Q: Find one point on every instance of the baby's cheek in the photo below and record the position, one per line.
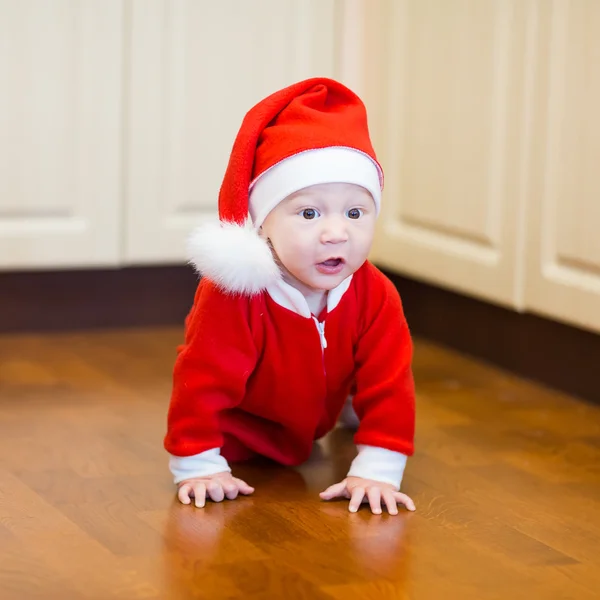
(296, 250)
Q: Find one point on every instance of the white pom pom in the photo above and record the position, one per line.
(233, 256)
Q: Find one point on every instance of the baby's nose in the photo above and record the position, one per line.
(335, 231)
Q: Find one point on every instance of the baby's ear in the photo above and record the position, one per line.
(261, 233)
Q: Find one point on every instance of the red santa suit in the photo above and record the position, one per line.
(258, 374)
(262, 376)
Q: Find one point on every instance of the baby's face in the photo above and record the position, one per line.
(323, 233)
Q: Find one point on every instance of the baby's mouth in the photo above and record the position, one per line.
(332, 262)
(331, 266)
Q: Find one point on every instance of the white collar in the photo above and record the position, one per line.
(289, 297)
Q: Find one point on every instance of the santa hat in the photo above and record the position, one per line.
(312, 132)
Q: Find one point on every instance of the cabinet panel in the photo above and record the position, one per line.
(60, 119)
(563, 279)
(453, 99)
(196, 68)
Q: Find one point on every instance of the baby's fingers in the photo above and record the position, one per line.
(333, 491)
(183, 493)
(405, 500)
(231, 490)
(390, 502)
(215, 491)
(243, 487)
(187, 491)
(199, 494)
(358, 494)
(374, 496)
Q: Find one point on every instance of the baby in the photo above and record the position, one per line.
(290, 319)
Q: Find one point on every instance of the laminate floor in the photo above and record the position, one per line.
(506, 479)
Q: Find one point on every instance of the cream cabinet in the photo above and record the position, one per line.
(450, 140)
(60, 133)
(117, 118)
(196, 67)
(487, 124)
(562, 278)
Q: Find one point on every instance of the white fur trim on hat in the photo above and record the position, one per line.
(234, 257)
(335, 164)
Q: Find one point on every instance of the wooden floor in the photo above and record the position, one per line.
(506, 479)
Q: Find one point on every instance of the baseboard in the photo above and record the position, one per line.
(99, 298)
(557, 355)
(552, 353)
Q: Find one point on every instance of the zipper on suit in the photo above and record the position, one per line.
(323, 340)
(321, 329)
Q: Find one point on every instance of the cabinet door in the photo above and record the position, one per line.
(60, 120)
(196, 68)
(447, 96)
(563, 277)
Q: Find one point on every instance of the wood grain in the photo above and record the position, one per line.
(506, 479)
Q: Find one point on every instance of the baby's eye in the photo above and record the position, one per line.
(354, 213)
(309, 213)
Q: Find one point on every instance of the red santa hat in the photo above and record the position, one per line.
(312, 132)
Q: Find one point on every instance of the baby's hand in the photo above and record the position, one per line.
(217, 487)
(360, 490)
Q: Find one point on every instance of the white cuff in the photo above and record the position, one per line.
(200, 465)
(379, 464)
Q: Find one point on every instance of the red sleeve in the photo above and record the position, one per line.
(211, 370)
(384, 398)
